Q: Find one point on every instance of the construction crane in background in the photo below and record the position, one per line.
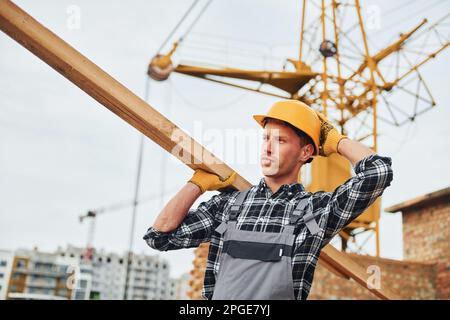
(338, 73)
(92, 215)
(89, 249)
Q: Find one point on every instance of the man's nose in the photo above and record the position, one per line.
(269, 146)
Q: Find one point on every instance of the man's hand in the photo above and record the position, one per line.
(209, 181)
(329, 137)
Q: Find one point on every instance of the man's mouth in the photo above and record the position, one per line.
(266, 161)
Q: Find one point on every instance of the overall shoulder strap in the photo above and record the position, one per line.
(308, 216)
(297, 213)
(236, 206)
(234, 211)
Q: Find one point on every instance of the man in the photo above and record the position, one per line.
(265, 241)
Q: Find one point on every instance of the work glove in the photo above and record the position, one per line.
(209, 181)
(329, 137)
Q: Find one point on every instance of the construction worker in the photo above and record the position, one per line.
(265, 241)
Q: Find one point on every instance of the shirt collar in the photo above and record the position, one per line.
(293, 187)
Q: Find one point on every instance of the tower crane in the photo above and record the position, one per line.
(352, 84)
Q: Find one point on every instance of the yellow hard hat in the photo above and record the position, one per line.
(298, 114)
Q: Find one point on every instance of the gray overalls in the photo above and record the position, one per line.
(257, 265)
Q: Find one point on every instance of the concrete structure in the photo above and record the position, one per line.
(6, 261)
(425, 271)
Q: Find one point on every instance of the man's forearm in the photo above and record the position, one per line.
(354, 151)
(177, 208)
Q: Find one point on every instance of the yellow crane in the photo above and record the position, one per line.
(347, 94)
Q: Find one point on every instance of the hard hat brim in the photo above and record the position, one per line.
(260, 119)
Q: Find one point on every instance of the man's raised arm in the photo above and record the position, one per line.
(349, 200)
(179, 227)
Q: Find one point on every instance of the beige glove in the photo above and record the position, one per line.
(329, 137)
(209, 181)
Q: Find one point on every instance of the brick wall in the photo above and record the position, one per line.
(410, 280)
(426, 233)
(426, 237)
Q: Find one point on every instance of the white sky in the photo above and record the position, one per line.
(62, 153)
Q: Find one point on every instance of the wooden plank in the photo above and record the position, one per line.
(330, 267)
(109, 92)
(342, 263)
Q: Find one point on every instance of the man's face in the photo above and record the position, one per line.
(281, 151)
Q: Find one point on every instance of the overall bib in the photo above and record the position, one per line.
(258, 265)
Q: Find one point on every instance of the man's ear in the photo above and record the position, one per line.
(306, 152)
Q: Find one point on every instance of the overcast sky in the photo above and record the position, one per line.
(62, 153)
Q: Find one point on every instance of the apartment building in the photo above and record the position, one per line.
(69, 273)
(6, 261)
(40, 275)
(148, 276)
(178, 288)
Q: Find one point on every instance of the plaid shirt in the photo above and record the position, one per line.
(268, 212)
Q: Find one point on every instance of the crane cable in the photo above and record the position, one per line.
(188, 30)
(168, 95)
(135, 200)
(191, 26)
(177, 26)
(220, 106)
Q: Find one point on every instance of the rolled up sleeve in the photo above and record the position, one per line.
(195, 229)
(373, 175)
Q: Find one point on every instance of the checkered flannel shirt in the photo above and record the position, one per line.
(268, 212)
